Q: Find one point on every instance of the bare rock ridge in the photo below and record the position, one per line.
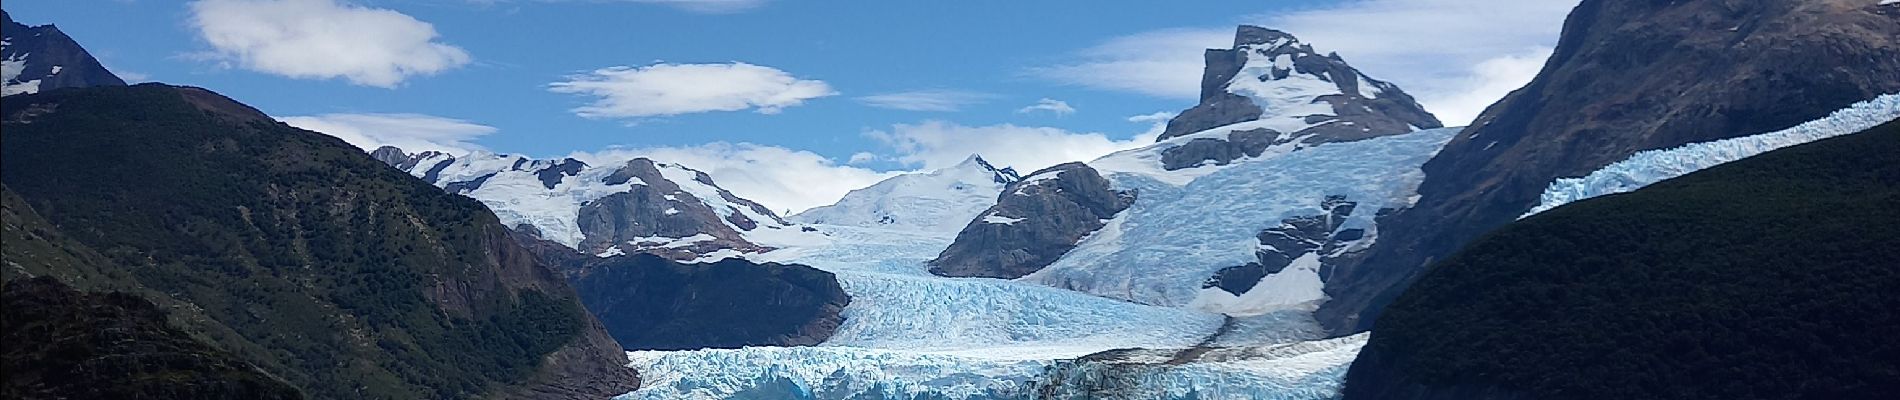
(1033, 223)
(1627, 76)
(41, 58)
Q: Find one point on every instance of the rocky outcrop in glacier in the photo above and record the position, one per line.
(1034, 222)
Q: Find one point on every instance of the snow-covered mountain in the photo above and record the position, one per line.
(641, 206)
(937, 201)
(39, 58)
(1241, 207)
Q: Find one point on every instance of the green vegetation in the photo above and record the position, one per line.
(289, 249)
(113, 346)
(1775, 277)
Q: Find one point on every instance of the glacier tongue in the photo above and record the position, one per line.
(1648, 167)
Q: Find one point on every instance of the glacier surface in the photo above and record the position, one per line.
(1174, 237)
(1648, 167)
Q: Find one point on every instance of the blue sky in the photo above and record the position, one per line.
(838, 92)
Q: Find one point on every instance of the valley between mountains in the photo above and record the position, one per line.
(1692, 200)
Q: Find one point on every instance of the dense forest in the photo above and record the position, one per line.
(1773, 277)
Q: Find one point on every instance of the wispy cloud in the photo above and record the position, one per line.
(940, 100)
(674, 89)
(411, 132)
(321, 39)
(1058, 107)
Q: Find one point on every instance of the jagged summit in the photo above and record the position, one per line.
(1005, 175)
(39, 58)
(1272, 78)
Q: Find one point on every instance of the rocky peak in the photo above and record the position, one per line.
(1286, 92)
(1005, 175)
(40, 58)
(1034, 222)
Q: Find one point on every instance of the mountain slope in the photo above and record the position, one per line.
(1628, 76)
(938, 201)
(119, 344)
(40, 58)
(1767, 278)
(302, 254)
(652, 303)
(640, 206)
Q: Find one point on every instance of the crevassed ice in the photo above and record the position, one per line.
(1174, 237)
(1648, 167)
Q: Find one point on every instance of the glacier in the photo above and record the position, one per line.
(1648, 167)
(908, 334)
(1188, 232)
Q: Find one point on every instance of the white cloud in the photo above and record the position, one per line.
(1444, 52)
(861, 157)
(932, 145)
(411, 132)
(1164, 63)
(1058, 107)
(322, 39)
(780, 178)
(674, 89)
(1489, 82)
(926, 100)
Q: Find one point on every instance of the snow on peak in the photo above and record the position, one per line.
(550, 195)
(939, 202)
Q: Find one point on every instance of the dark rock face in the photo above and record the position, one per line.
(64, 344)
(1625, 77)
(1210, 151)
(1361, 107)
(1051, 210)
(1292, 239)
(52, 59)
(1715, 287)
(651, 303)
(312, 260)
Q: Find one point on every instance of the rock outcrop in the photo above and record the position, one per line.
(1033, 222)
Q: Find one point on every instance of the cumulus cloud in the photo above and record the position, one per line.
(673, 89)
(780, 178)
(411, 132)
(942, 100)
(932, 145)
(1446, 63)
(1490, 81)
(322, 39)
(1053, 106)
